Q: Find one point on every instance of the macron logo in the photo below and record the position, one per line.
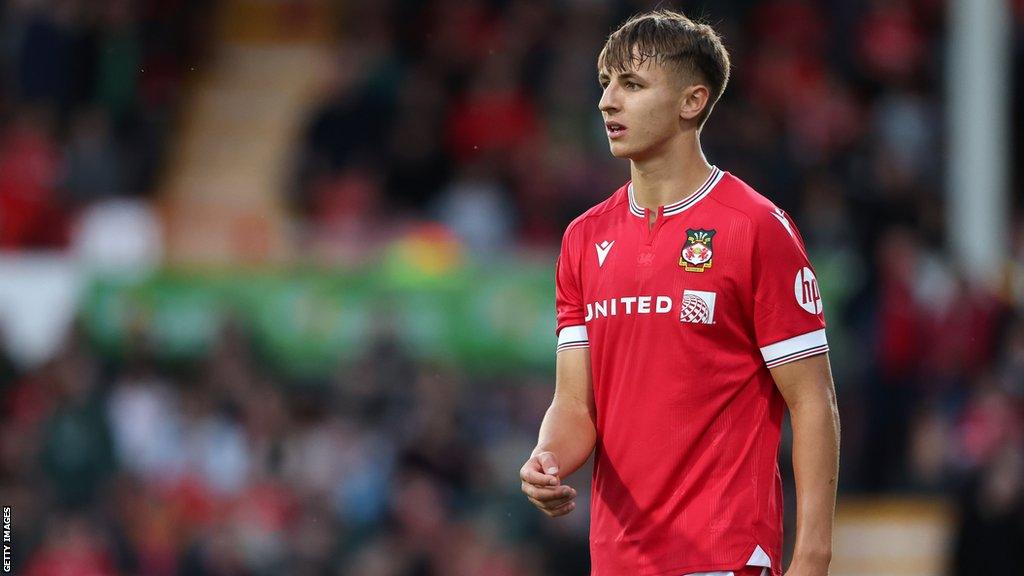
(781, 217)
(602, 251)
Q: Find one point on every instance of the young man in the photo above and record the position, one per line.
(688, 320)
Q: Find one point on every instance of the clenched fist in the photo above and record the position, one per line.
(543, 487)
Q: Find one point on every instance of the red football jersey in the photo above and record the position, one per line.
(683, 321)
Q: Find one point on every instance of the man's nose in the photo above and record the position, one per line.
(609, 100)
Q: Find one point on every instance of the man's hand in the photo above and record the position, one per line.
(543, 487)
(567, 430)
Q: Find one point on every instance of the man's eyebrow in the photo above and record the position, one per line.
(603, 76)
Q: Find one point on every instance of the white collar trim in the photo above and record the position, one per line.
(686, 203)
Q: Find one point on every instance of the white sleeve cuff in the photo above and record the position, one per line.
(795, 348)
(572, 337)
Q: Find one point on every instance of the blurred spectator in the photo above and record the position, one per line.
(891, 42)
(145, 420)
(119, 55)
(31, 214)
(48, 50)
(475, 207)
(93, 164)
(419, 165)
(72, 546)
(991, 530)
(77, 451)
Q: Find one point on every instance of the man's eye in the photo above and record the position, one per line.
(632, 85)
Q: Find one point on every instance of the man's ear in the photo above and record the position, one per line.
(694, 100)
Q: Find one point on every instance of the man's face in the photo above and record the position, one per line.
(640, 107)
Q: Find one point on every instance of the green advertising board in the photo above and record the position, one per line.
(490, 317)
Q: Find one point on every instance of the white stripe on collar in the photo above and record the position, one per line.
(676, 207)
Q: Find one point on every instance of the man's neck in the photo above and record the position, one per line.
(669, 177)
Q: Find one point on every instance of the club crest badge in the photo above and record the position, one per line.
(696, 253)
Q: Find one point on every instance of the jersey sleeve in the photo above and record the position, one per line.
(569, 310)
(789, 320)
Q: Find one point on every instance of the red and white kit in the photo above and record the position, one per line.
(683, 321)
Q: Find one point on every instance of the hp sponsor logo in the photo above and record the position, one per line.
(805, 288)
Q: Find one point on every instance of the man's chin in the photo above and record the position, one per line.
(620, 151)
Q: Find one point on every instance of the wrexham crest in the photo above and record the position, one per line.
(696, 253)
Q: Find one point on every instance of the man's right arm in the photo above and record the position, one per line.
(569, 427)
(567, 435)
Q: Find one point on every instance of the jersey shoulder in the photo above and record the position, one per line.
(595, 212)
(736, 194)
(739, 196)
(767, 222)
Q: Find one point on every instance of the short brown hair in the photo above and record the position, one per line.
(673, 40)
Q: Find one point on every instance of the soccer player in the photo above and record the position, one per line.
(688, 319)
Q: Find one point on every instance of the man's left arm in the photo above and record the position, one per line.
(810, 394)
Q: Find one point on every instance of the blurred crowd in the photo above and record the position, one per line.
(392, 466)
(482, 116)
(88, 97)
